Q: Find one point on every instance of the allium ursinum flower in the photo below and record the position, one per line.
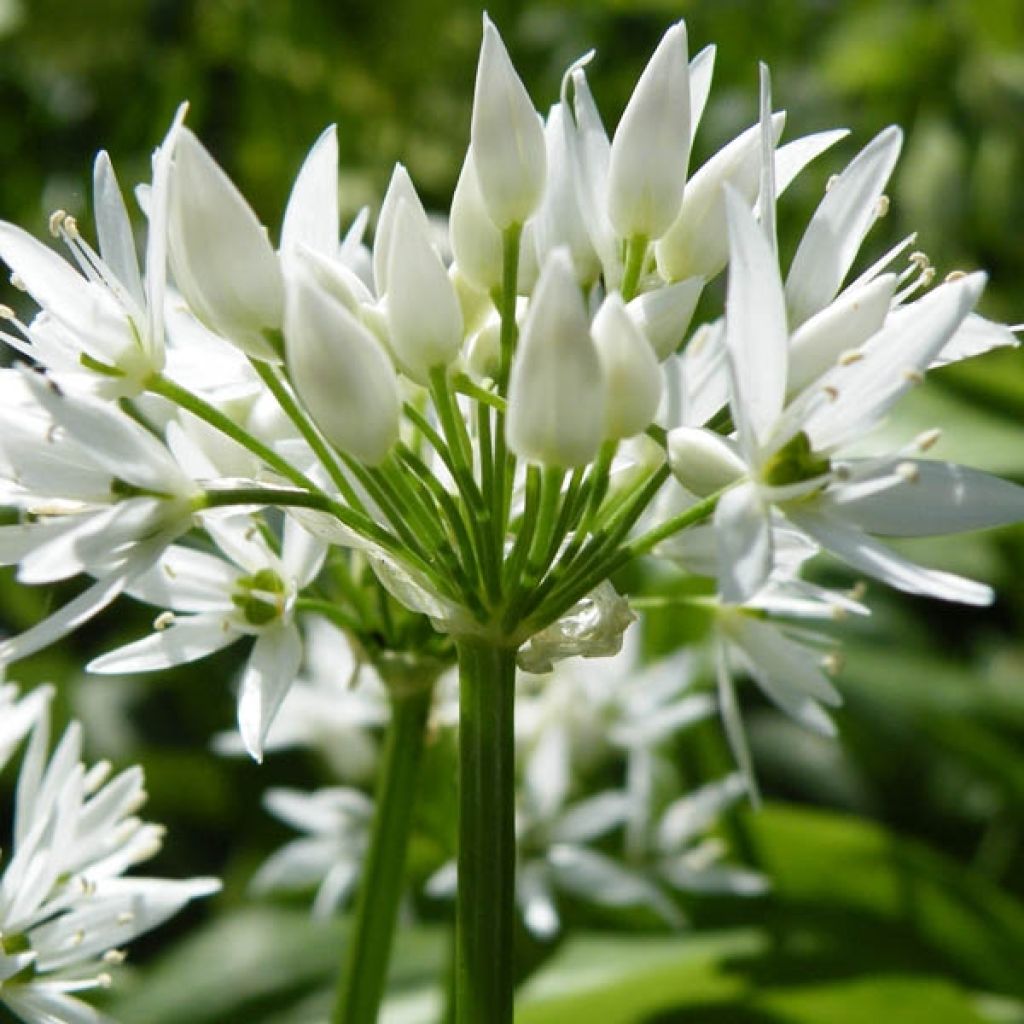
(66, 906)
(107, 314)
(102, 495)
(211, 601)
(336, 823)
(787, 454)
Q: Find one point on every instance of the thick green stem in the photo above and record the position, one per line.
(485, 913)
(361, 985)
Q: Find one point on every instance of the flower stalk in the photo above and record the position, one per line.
(365, 966)
(485, 910)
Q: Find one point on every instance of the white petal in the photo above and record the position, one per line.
(926, 497)
(692, 814)
(755, 330)
(507, 136)
(632, 375)
(185, 640)
(702, 69)
(311, 216)
(842, 219)
(842, 326)
(302, 553)
(973, 337)
(591, 818)
(794, 156)
(743, 533)
(556, 407)
(651, 147)
(63, 621)
(893, 361)
(186, 580)
(696, 244)
(400, 188)
(114, 229)
(222, 259)
(269, 674)
(870, 556)
(664, 314)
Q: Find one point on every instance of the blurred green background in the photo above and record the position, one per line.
(898, 854)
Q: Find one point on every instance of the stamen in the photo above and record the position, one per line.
(832, 663)
(829, 185)
(955, 275)
(115, 957)
(850, 356)
(57, 222)
(96, 776)
(18, 283)
(928, 439)
(912, 376)
(882, 207)
(909, 472)
(163, 621)
(858, 591)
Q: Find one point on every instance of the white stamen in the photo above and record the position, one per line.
(928, 439)
(909, 472)
(163, 621)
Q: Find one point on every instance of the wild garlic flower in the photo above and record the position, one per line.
(67, 908)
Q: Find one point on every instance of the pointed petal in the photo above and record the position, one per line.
(311, 217)
(834, 235)
(974, 337)
(743, 534)
(270, 672)
(893, 361)
(184, 641)
(114, 229)
(870, 556)
(924, 497)
(755, 330)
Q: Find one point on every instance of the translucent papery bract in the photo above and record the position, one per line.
(592, 628)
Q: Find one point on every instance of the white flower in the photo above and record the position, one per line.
(108, 497)
(337, 826)
(214, 601)
(106, 311)
(65, 909)
(789, 452)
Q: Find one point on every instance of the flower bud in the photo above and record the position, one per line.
(507, 137)
(476, 242)
(341, 373)
(556, 397)
(651, 147)
(223, 262)
(559, 220)
(697, 241)
(631, 371)
(399, 188)
(663, 315)
(423, 311)
(702, 461)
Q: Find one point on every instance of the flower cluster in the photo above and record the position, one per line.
(65, 909)
(464, 435)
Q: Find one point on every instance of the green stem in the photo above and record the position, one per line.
(361, 985)
(202, 409)
(636, 253)
(485, 912)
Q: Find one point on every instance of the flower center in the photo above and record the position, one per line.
(260, 597)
